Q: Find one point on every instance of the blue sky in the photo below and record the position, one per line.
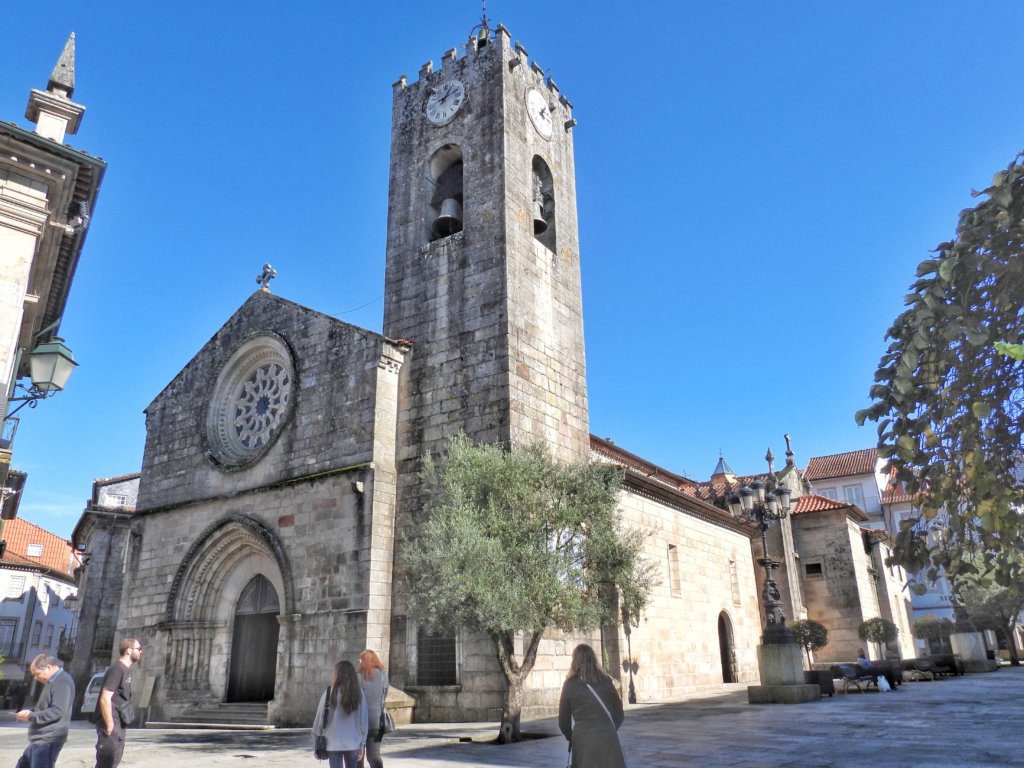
(756, 185)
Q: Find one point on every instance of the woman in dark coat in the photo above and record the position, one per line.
(590, 713)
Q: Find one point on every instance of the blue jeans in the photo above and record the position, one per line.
(347, 759)
(42, 754)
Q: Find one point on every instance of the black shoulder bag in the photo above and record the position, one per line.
(320, 745)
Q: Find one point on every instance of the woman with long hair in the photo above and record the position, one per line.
(374, 680)
(344, 723)
(590, 713)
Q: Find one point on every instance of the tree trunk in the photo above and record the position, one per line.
(512, 712)
(515, 675)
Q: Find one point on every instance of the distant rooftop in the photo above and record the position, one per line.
(842, 464)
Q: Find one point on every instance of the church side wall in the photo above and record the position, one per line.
(709, 572)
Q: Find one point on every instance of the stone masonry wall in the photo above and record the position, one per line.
(676, 644)
(494, 317)
(332, 423)
(99, 590)
(315, 515)
(837, 597)
(324, 528)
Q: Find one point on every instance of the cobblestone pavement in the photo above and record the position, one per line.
(972, 721)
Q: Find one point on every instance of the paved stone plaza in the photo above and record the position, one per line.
(965, 721)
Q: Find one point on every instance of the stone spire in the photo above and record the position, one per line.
(62, 79)
(52, 110)
(723, 470)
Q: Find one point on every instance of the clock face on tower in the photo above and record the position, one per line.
(540, 112)
(445, 101)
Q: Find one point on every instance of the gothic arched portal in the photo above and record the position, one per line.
(231, 587)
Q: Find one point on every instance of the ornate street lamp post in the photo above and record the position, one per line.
(763, 505)
(779, 658)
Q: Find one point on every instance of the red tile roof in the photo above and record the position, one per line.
(57, 555)
(807, 504)
(675, 491)
(610, 450)
(842, 464)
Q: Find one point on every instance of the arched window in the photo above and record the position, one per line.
(445, 192)
(543, 206)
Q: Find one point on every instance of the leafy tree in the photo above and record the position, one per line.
(932, 627)
(949, 394)
(878, 630)
(516, 542)
(996, 608)
(810, 634)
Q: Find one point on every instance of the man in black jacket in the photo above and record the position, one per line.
(49, 722)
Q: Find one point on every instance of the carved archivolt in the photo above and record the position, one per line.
(225, 546)
(250, 403)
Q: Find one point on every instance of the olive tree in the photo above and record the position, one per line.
(513, 541)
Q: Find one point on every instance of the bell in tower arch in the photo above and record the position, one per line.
(449, 220)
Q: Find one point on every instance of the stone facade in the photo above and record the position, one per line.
(101, 538)
(493, 312)
(314, 516)
(707, 576)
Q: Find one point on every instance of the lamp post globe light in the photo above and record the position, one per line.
(779, 657)
(762, 505)
(50, 366)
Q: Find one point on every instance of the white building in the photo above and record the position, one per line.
(861, 478)
(38, 591)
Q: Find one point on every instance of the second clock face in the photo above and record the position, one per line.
(540, 112)
(445, 101)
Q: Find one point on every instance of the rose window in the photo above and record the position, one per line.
(251, 402)
(261, 404)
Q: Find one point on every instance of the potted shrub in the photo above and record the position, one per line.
(810, 634)
(878, 630)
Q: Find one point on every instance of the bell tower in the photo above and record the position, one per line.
(483, 268)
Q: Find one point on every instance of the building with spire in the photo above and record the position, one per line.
(48, 192)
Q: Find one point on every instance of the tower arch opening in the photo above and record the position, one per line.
(726, 648)
(543, 203)
(444, 192)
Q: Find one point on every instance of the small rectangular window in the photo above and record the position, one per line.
(854, 494)
(813, 569)
(34, 550)
(734, 579)
(8, 630)
(37, 630)
(435, 659)
(828, 493)
(48, 637)
(16, 588)
(673, 571)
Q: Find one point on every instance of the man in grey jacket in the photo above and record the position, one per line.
(49, 722)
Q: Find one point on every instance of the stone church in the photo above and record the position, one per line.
(281, 464)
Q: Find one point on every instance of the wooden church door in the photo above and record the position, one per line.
(254, 643)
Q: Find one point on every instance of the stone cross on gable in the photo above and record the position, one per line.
(263, 278)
